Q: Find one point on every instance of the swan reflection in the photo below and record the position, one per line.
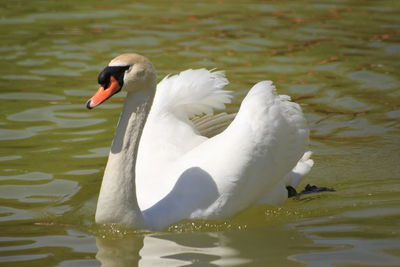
(274, 244)
(168, 249)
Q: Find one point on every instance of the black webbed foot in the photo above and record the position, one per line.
(309, 189)
(291, 191)
(315, 189)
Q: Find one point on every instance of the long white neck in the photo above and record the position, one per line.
(117, 201)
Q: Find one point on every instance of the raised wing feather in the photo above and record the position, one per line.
(192, 92)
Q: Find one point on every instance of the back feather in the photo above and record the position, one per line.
(193, 92)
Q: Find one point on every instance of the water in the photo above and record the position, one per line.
(338, 59)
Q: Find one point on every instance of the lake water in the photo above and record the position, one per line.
(338, 59)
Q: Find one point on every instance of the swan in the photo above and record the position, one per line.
(172, 158)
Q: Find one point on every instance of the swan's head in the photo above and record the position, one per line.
(129, 72)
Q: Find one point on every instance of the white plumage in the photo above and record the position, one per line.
(192, 92)
(180, 173)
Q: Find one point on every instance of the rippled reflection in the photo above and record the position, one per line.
(368, 244)
(203, 249)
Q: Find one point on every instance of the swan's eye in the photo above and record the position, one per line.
(116, 71)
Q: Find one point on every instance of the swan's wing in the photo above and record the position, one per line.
(265, 141)
(169, 132)
(183, 110)
(192, 92)
(235, 169)
(267, 138)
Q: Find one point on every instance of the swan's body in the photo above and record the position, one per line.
(176, 172)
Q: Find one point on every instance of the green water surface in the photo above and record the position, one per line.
(339, 60)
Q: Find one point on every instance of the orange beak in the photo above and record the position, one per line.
(104, 93)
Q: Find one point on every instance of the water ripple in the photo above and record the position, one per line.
(51, 114)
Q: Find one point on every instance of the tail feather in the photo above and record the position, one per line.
(302, 167)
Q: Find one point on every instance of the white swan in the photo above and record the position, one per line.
(179, 172)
